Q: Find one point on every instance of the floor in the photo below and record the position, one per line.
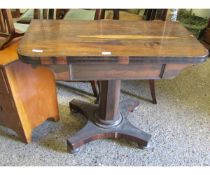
(179, 124)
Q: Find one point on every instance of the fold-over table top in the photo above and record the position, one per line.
(109, 40)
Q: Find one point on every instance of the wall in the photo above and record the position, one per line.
(202, 12)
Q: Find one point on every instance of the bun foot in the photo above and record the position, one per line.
(73, 151)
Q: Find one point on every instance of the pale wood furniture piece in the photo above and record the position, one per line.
(27, 94)
(7, 29)
(110, 51)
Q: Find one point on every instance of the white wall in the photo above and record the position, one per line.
(202, 12)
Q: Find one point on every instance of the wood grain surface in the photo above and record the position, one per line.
(9, 54)
(27, 95)
(59, 42)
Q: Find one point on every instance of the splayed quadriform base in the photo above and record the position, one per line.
(106, 120)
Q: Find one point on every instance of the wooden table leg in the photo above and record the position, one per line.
(106, 120)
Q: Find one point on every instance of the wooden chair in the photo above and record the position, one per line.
(15, 13)
(154, 14)
(83, 14)
(115, 14)
(31, 14)
(7, 29)
(47, 14)
(149, 14)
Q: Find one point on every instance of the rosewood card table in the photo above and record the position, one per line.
(109, 51)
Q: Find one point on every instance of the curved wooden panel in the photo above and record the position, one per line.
(27, 94)
(34, 94)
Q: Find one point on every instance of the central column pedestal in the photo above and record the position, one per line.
(106, 120)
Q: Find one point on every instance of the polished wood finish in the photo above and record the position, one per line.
(7, 29)
(135, 41)
(9, 54)
(97, 16)
(94, 129)
(115, 71)
(110, 71)
(24, 91)
(109, 101)
(110, 51)
(149, 14)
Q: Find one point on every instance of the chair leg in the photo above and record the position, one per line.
(94, 88)
(152, 91)
(9, 38)
(5, 42)
(97, 99)
(116, 14)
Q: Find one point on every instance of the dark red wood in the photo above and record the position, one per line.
(152, 91)
(116, 14)
(94, 129)
(109, 100)
(94, 86)
(107, 41)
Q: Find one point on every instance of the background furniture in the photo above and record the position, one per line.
(27, 94)
(124, 14)
(205, 40)
(7, 28)
(84, 14)
(110, 51)
(31, 14)
(149, 14)
(65, 14)
(154, 14)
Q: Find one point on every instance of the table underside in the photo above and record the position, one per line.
(144, 71)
